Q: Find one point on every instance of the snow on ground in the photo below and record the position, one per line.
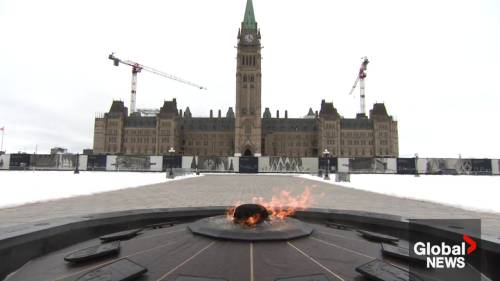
(20, 187)
(480, 193)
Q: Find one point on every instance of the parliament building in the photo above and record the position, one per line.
(246, 131)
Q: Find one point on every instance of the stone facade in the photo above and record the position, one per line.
(248, 126)
(246, 131)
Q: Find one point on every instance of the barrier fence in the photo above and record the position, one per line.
(263, 164)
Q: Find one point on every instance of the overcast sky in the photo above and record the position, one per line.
(435, 64)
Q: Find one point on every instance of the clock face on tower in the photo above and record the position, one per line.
(249, 37)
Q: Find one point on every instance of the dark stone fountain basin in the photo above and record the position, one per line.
(270, 230)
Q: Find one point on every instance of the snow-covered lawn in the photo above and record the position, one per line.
(469, 192)
(20, 187)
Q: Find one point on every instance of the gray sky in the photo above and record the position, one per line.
(434, 63)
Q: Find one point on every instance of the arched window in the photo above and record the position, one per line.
(253, 60)
(245, 78)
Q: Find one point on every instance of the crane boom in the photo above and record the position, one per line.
(136, 68)
(361, 79)
(354, 86)
(170, 76)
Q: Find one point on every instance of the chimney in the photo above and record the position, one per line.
(277, 114)
(316, 113)
(220, 114)
(286, 114)
(180, 112)
(211, 113)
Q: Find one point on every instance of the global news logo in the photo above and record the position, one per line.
(444, 255)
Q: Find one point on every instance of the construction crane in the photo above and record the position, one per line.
(361, 79)
(136, 68)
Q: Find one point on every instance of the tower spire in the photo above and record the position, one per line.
(249, 20)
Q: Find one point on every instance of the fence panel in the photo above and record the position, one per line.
(406, 166)
(275, 164)
(82, 162)
(249, 165)
(96, 162)
(481, 167)
(495, 166)
(133, 163)
(372, 165)
(216, 164)
(454, 166)
(4, 161)
(343, 165)
(174, 162)
(19, 161)
(322, 163)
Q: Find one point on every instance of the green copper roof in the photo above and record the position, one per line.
(249, 20)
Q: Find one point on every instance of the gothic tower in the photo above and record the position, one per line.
(248, 87)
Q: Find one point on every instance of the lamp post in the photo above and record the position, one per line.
(77, 171)
(416, 165)
(171, 151)
(326, 154)
(196, 162)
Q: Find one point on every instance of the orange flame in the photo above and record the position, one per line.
(281, 206)
(285, 204)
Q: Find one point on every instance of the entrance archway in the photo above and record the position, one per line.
(248, 152)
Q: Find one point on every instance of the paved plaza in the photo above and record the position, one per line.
(225, 190)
